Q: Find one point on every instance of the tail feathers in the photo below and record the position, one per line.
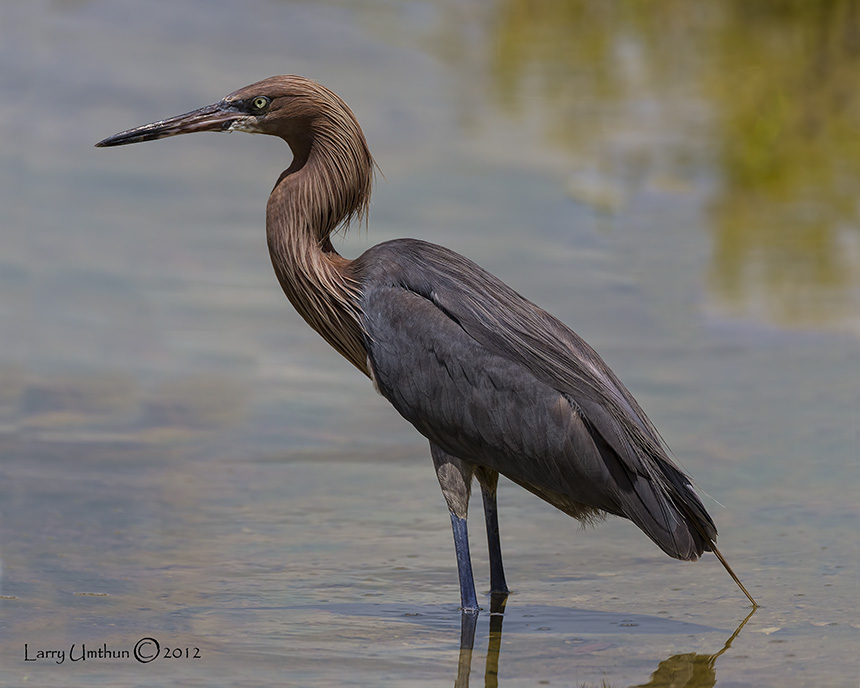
(665, 506)
(668, 521)
(660, 499)
(694, 518)
(656, 495)
(671, 514)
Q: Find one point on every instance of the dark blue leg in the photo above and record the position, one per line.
(468, 599)
(497, 571)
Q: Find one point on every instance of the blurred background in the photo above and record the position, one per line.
(182, 457)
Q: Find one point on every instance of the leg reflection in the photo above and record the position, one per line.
(468, 625)
(494, 646)
(690, 670)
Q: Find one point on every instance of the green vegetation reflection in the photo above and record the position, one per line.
(760, 100)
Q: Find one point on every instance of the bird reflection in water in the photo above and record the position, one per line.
(688, 670)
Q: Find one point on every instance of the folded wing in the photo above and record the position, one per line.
(497, 381)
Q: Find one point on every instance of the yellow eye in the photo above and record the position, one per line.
(260, 103)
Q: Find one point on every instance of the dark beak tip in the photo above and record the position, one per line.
(111, 141)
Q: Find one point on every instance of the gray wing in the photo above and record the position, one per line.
(495, 380)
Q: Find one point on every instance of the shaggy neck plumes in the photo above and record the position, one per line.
(328, 184)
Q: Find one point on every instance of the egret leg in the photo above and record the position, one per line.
(489, 480)
(455, 479)
(468, 598)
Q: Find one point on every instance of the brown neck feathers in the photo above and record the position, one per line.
(327, 185)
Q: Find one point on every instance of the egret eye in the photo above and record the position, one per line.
(260, 103)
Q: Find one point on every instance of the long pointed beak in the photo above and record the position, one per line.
(217, 117)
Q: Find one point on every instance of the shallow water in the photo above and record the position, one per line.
(184, 460)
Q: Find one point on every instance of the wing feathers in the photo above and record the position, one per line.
(493, 379)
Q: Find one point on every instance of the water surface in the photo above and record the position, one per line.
(183, 459)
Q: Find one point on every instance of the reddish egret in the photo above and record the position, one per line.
(495, 383)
